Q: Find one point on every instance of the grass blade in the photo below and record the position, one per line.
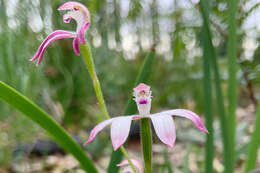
(143, 76)
(220, 102)
(232, 71)
(208, 103)
(254, 143)
(35, 113)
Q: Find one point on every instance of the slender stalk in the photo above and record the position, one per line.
(254, 143)
(128, 158)
(220, 102)
(232, 70)
(208, 105)
(146, 138)
(88, 59)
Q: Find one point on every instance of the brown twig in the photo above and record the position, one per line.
(219, 29)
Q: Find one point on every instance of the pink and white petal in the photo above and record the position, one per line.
(75, 45)
(51, 35)
(189, 115)
(97, 129)
(164, 128)
(56, 37)
(70, 5)
(120, 130)
(135, 162)
(81, 33)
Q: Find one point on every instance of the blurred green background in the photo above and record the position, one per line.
(121, 34)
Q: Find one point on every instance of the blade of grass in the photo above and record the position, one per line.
(232, 70)
(220, 102)
(254, 143)
(208, 103)
(186, 165)
(35, 113)
(143, 76)
(167, 161)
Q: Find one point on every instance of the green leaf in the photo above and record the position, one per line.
(143, 76)
(35, 113)
(208, 104)
(232, 73)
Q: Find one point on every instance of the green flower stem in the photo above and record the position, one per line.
(254, 143)
(88, 59)
(146, 138)
(128, 158)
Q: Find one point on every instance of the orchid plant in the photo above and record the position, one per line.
(162, 121)
(120, 126)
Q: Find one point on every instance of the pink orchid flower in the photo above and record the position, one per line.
(137, 164)
(80, 14)
(162, 122)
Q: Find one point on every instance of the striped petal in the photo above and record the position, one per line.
(50, 36)
(164, 128)
(120, 130)
(75, 45)
(57, 37)
(187, 114)
(81, 32)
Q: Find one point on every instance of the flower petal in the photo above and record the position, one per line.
(81, 33)
(135, 162)
(51, 35)
(56, 37)
(189, 115)
(97, 129)
(71, 5)
(120, 130)
(164, 128)
(79, 13)
(76, 46)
